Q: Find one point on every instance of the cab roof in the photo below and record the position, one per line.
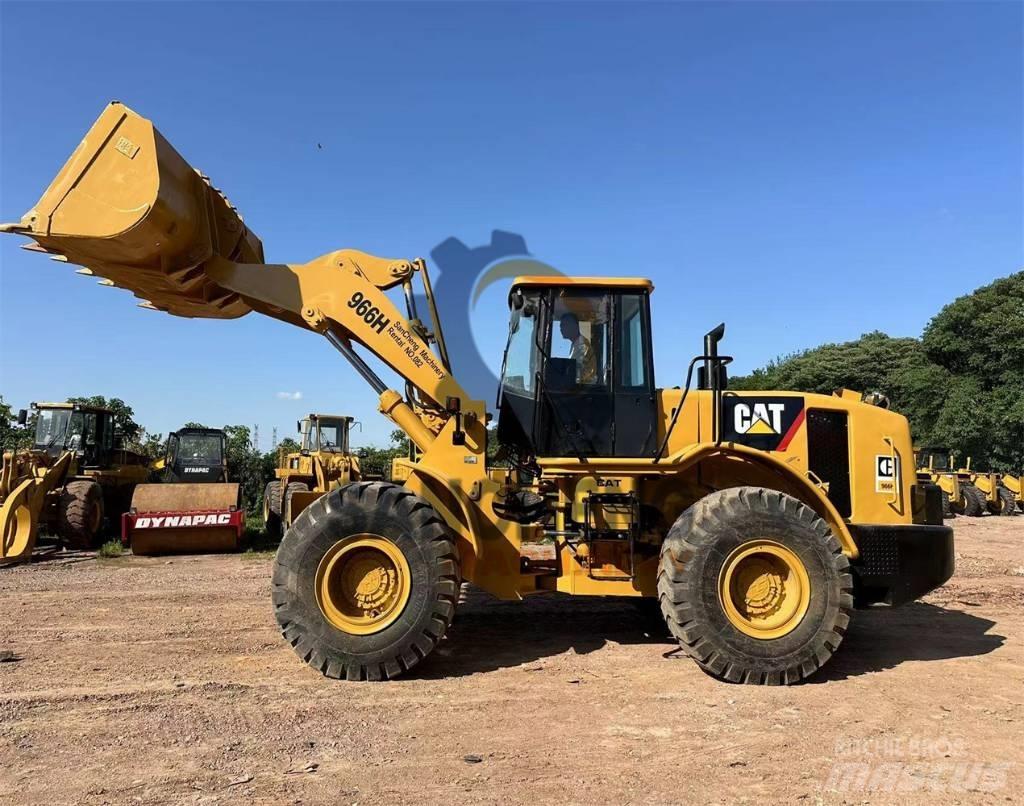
(66, 405)
(315, 416)
(583, 282)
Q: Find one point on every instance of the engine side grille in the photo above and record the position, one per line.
(829, 455)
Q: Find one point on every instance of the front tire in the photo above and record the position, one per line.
(286, 506)
(1008, 502)
(947, 507)
(80, 513)
(366, 581)
(754, 586)
(974, 506)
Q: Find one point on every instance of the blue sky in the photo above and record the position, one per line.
(805, 172)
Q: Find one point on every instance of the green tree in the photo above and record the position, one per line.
(12, 435)
(124, 418)
(961, 385)
(245, 465)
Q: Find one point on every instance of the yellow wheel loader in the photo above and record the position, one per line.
(959, 495)
(70, 480)
(998, 497)
(322, 463)
(758, 521)
(1013, 484)
(193, 508)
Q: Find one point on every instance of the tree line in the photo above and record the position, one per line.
(961, 384)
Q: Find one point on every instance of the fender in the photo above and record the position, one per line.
(808, 492)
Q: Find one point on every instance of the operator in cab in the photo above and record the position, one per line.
(580, 352)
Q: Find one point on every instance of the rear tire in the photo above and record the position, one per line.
(974, 501)
(272, 509)
(696, 557)
(1008, 502)
(80, 513)
(372, 645)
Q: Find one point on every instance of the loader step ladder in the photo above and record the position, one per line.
(628, 531)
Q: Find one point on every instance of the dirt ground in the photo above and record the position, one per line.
(142, 680)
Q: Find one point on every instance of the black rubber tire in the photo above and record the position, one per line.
(272, 508)
(286, 503)
(947, 508)
(692, 557)
(77, 524)
(975, 501)
(428, 546)
(1008, 502)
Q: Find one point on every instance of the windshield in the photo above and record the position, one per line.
(939, 461)
(331, 436)
(199, 448)
(522, 354)
(51, 427)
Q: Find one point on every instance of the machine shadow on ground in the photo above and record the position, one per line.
(882, 638)
(488, 635)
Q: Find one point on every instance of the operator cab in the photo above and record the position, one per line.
(578, 373)
(86, 430)
(325, 433)
(196, 455)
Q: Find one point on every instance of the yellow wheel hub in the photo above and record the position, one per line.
(363, 584)
(764, 589)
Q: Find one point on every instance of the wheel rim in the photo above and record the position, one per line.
(764, 589)
(362, 584)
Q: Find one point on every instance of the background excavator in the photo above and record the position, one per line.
(192, 507)
(74, 478)
(756, 520)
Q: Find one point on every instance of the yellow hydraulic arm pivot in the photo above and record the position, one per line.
(130, 210)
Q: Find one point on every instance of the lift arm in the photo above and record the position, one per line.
(132, 211)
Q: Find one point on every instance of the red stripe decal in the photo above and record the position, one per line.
(792, 431)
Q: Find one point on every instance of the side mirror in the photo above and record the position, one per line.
(22, 416)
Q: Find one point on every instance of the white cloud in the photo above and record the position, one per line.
(289, 395)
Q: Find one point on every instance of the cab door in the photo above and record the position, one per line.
(634, 424)
(576, 404)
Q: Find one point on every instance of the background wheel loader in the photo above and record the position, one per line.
(758, 521)
(1014, 484)
(959, 495)
(322, 463)
(193, 508)
(72, 478)
(999, 498)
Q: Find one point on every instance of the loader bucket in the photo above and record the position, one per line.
(183, 519)
(132, 211)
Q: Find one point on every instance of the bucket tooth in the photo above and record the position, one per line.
(105, 282)
(59, 258)
(32, 246)
(149, 306)
(85, 272)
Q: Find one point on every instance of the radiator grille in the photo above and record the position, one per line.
(829, 455)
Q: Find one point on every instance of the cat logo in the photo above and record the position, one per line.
(758, 418)
(767, 423)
